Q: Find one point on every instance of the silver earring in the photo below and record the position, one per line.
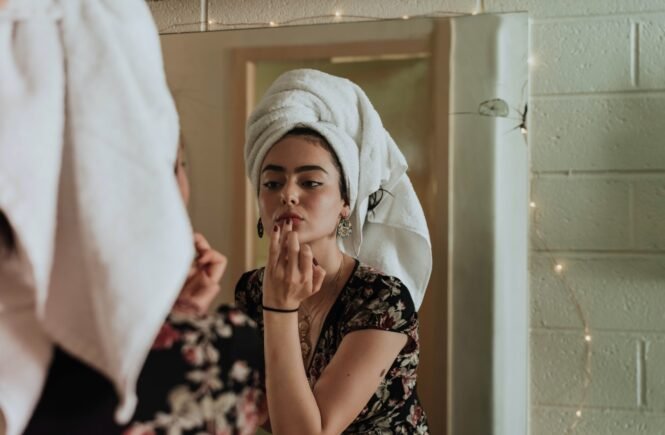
(344, 228)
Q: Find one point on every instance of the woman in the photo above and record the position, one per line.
(337, 298)
(78, 193)
(204, 371)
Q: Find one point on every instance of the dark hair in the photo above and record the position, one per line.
(7, 240)
(375, 198)
(312, 135)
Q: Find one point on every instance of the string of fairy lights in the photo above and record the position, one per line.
(558, 267)
(337, 16)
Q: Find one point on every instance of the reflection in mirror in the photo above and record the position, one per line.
(404, 67)
(405, 114)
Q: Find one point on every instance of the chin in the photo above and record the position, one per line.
(304, 236)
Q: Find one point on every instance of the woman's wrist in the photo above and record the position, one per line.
(280, 308)
(279, 304)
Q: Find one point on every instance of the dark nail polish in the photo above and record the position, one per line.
(275, 228)
(316, 263)
(288, 221)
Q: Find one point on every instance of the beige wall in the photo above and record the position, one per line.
(598, 181)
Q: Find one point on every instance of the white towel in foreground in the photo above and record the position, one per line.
(88, 135)
(393, 237)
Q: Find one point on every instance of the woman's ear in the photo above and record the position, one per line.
(346, 211)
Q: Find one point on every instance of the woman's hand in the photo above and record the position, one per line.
(202, 284)
(291, 274)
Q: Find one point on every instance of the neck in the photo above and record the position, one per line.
(329, 257)
(318, 303)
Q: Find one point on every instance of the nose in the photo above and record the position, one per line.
(290, 194)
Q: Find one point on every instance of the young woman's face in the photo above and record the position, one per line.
(300, 181)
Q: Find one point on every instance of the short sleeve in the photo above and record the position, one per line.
(384, 303)
(248, 295)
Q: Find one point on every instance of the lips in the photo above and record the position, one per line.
(289, 215)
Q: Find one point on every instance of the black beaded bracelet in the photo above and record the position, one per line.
(279, 310)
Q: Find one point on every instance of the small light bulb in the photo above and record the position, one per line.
(587, 337)
(523, 130)
(405, 17)
(558, 267)
(211, 22)
(578, 413)
(273, 24)
(532, 204)
(338, 14)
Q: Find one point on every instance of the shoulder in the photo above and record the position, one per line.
(249, 283)
(373, 286)
(249, 293)
(377, 300)
(251, 277)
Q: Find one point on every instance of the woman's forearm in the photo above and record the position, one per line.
(291, 404)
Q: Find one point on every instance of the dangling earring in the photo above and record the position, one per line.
(344, 227)
(259, 228)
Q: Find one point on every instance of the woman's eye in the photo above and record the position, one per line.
(311, 183)
(270, 185)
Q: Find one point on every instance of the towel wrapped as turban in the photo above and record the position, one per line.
(393, 237)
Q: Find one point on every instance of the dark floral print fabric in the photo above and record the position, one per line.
(203, 376)
(369, 300)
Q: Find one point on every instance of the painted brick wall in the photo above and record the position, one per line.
(597, 138)
(598, 181)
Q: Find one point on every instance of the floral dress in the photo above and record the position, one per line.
(369, 300)
(204, 375)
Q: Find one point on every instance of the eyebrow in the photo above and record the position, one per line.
(298, 170)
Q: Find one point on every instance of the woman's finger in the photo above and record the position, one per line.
(306, 263)
(190, 286)
(286, 228)
(201, 245)
(318, 273)
(205, 258)
(216, 266)
(282, 231)
(293, 246)
(210, 256)
(200, 242)
(274, 247)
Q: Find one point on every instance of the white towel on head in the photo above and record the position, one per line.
(394, 236)
(88, 140)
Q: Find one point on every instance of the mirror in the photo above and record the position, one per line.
(450, 94)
